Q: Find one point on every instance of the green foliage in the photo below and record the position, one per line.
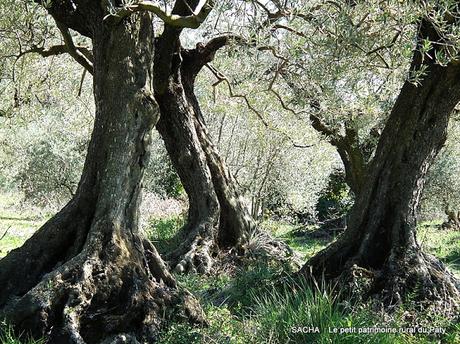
(51, 172)
(165, 232)
(160, 176)
(335, 200)
(7, 336)
(250, 281)
(443, 244)
(442, 190)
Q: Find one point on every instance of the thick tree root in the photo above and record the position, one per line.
(197, 250)
(109, 293)
(420, 280)
(200, 252)
(198, 258)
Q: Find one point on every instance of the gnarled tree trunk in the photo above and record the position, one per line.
(380, 242)
(217, 217)
(176, 126)
(453, 219)
(350, 151)
(88, 276)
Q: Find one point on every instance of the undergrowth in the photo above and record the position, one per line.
(259, 302)
(7, 336)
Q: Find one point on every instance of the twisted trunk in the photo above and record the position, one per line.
(88, 276)
(380, 242)
(350, 151)
(235, 220)
(217, 217)
(176, 126)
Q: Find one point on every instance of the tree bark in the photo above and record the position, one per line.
(217, 216)
(235, 220)
(88, 275)
(350, 151)
(453, 220)
(176, 126)
(380, 241)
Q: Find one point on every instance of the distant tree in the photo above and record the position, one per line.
(440, 198)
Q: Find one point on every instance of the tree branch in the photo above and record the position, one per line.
(192, 21)
(72, 49)
(222, 78)
(55, 50)
(196, 59)
(322, 128)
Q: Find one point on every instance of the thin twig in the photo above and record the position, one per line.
(222, 78)
(4, 234)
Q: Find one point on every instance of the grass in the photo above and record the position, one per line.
(7, 336)
(248, 305)
(297, 238)
(443, 244)
(251, 308)
(16, 226)
(165, 234)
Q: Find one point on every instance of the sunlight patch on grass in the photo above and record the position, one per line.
(298, 238)
(444, 244)
(16, 225)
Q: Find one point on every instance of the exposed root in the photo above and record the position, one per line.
(111, 294)
(200, 252)
(196, 252)
(420, 280)
(198, 258)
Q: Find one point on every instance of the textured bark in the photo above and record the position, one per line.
(353, 160)
(235, 220)
(380, 241)
(176, 127)
(453, 220)
(350, 151)
(217, 216)
(88, 276)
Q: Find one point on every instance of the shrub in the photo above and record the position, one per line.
(335, 201)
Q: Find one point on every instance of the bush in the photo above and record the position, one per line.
(51, 172)
(160, 176)
(335, 200)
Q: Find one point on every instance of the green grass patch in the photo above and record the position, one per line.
(16, 225)
(165, 232)
(7, 336)
(292, 312)
(444, 244)
(301, 239)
